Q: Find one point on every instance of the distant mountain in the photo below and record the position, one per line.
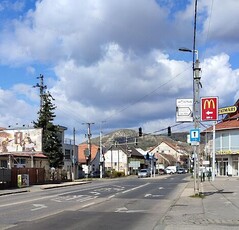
(145, 142)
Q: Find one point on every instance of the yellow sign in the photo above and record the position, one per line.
(226, 110)
(224, 152)
(209, 103)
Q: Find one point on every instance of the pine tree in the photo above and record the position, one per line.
(51, 144)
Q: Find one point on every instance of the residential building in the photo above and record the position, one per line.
(226, 145)
(124, 158)
(85, 166)
(170, 152)
(70, 159)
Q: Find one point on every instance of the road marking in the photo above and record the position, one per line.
(151, 195)
(124, 209)
(38, 207)
(87, 198)
(95, 193)
(87, 205)
(77, 198)
(130, 190)
(111, 196)
(27, 201)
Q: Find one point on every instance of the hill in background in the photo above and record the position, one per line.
(145, 142)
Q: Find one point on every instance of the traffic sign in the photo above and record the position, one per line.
(209, 108)
(194, 135)
(184, 110)
(227, 110)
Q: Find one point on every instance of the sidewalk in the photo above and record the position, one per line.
(219, 209)
(35, 188)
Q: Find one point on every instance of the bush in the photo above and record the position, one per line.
(114, 174)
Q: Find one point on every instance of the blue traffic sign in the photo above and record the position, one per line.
(194, 135)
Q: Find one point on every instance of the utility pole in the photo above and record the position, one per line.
(73, 154)
(42, 88)
(196, 101)
(101, 152)
(88, 158)
(196, 116)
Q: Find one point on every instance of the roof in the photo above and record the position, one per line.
(162, 157)
(180, 147)
(81, 155)
(24, 154)
(128, 150)
(226, 124)
(133, 152)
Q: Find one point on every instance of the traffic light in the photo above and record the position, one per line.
(169, 131)
(140, 132)
(136, 141)
(147, 156)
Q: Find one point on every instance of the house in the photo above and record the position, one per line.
(70, 159)
(123, 158)
(93, 164)
(226, 144)
(170, 152)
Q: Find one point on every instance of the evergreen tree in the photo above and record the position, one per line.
(51, 144)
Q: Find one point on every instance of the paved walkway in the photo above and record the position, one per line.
(218, 209)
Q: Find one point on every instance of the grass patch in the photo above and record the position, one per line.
(200, 195)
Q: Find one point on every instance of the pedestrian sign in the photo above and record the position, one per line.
(194, 135)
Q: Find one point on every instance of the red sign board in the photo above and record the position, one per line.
(209, 108)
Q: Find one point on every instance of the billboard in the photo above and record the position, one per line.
(21, 140)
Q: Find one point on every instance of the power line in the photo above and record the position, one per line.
(145, 96)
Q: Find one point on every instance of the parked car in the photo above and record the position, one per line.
(161, 171)
(143, 173)
(171, 169)
(181, 170)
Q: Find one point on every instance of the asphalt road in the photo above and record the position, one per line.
(104, 204)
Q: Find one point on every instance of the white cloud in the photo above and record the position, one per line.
(59, 30)
(118, 60)
(219, 79)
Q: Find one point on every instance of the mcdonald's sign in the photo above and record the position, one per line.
(209, 108)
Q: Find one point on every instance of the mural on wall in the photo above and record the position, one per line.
(21, 140)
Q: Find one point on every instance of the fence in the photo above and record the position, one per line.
(9, 177)
(5, 178)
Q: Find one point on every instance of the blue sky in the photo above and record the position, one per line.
(114, 61)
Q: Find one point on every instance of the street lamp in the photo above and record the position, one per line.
(183, 49)
(196, 113)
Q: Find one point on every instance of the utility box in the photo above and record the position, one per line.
(23, 180)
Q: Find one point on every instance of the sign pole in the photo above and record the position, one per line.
(196, 124)
(213, 151)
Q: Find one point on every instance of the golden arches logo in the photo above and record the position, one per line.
(210, 103)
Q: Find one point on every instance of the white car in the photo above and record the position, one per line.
(169, 171)
(143, 173)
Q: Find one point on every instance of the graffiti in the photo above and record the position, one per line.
(25, 140)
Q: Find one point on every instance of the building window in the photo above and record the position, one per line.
(234, 141)
(225, 141)
(20, 162)
(67, 154)
(3, 163)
